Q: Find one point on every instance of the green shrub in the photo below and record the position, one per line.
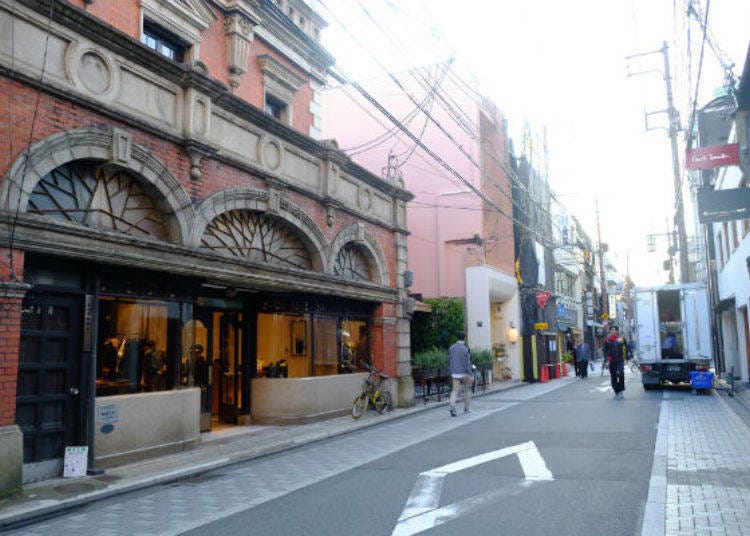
(567, 357)
(432, 358)
(481, 356)
(440, 328)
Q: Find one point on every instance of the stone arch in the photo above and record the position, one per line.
(357, 233)
(111, 146)
(262, 201)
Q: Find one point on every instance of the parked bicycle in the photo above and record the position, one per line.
(635, 365)
(374, 394)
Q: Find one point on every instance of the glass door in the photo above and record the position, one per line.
(230, 366)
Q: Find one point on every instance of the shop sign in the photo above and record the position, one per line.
(541, 297)
(712, 157)
(108, 414)
(715, 206)
(540, 326)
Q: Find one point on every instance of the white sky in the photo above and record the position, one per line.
(561, 64)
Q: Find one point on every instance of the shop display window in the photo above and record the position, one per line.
(355, 347)
(139, 346)
(296, 346)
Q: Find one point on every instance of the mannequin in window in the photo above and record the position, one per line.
(200, 374)
(345, 363)
(155, 368)
(113, 352)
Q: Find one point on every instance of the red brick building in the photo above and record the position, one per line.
(178, 250)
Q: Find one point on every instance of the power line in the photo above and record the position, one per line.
(700, 68)
(14, 223)
(436, 157)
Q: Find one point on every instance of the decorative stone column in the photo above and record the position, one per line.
(403, 328)
(11, 438)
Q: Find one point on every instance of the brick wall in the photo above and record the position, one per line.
(10, 332)
(125, 15)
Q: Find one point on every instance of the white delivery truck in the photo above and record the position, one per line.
(672, 332)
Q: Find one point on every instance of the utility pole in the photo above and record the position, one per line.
(679, 212)
(602, 279)
(673, 130)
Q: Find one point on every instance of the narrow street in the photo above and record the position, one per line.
(598, 450)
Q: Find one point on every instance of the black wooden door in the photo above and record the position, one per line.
(49, 396)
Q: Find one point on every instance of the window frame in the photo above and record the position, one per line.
(164, 38)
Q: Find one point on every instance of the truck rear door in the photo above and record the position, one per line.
(648, 329)
(696, 323)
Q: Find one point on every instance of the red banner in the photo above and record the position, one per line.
(541, 297)
(711, 157)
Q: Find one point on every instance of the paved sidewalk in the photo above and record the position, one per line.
(700, 482)
(217, 449)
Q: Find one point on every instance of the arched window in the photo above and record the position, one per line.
(257, 237)
(98, 196)
(352, 263)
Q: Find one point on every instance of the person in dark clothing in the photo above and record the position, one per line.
(615, 356)
(583, 353)
(570, 348)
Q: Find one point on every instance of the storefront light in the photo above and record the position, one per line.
(512, 333)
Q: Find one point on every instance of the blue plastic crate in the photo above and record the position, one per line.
(700, 379)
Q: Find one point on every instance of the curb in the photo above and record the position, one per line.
(50, 508)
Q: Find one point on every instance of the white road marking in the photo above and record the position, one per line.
(421, 511)
(603, 387)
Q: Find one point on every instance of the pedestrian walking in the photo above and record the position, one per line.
(583, 352)
(462, 373)
(615, 356)
(570, 347)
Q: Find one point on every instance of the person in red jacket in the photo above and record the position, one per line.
(613, 353)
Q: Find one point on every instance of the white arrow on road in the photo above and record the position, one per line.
(422, 509)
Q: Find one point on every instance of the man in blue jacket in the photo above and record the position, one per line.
(462, 372)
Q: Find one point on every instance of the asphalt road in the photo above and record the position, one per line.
(598, 450)
(561, 458)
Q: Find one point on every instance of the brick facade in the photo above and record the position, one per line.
(11, 295)
(192, 168)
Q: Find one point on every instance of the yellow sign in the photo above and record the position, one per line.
(541, 325)
(605, 316)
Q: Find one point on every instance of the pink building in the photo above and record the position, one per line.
(454, 159)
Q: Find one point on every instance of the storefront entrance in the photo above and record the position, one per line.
(221, 335)
(49, 400)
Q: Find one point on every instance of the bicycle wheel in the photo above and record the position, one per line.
(384, 402)
(359, 406)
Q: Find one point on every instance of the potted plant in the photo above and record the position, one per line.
(499, 349)
(482, 359)
(430, 361)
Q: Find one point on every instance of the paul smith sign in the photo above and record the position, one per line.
(711, 157)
